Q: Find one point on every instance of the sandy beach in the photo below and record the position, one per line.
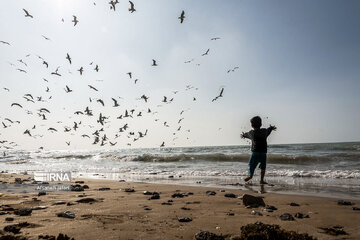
(109, 211)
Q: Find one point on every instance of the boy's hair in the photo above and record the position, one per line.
(256, 122)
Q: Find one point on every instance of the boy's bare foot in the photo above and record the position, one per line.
(263, 182)
(247, 178)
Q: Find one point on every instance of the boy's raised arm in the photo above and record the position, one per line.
(270, 129)
(245, 135)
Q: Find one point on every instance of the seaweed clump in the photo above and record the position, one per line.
(261, 231)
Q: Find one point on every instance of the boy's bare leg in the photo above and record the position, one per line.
(247, 178)
(262, 177)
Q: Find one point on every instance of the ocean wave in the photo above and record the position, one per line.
(302, 159)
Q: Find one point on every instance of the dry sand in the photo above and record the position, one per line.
(121, 215)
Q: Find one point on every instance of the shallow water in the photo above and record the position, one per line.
(331, 169)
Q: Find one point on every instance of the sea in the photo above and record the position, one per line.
(316, 169)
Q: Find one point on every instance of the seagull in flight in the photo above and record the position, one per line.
(131, 9)
(182, 16)
(215, 38)
(27, 14)
(75, 21)
(46, 38)
(56, 72)
(154, 63)
(81, 70)
(92, 87)
(220, 95)
(67, 89)
(206, 53)
(3, 42)
(16, 104)
(68, 58)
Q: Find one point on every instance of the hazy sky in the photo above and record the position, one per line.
(299, 68)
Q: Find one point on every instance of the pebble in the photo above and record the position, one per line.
(230, 214)
(66, 214)
(222, 190)
(185, 208)
(39, 208)
(41, 193)
(185, 219)
(166, 203)
(287, 217)
(12, 228)
(154, 196)
(346, 203)
(23, 212)
(129, 190)
(210, 193)
(179, 195)
(59, 203)
(300, 215)
(104, 189)
(294, 204)
(86, 200)
(18, 181)
(205, 235)
(9, 219)
(79, 182)
(230, 195)
(256, 213)
(252, 200)
(356, 208)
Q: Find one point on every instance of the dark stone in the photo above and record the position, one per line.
(250, 200)
(230, 195)
(79, 182)
(86, 200)
(334, 231)
(41, 193)
(154, 196)
(12, 228)
(59, 237)
(76, 188)
(148, 193)
(287, 217)
(85, 187)
(171, 176)
(179, 195)
(129, 190)
(18, 181)
(256, 213)
(346, 203)
(261, 231)
(9, 219)
(294, 204)
(356, 208)
(66, 214)
(185, 219)
(300, 215)
(271, 207)
(185, 208)
(147, 209)
(122, 180)
(3, 213)
(230, 214)
(104, 189)
(166, 203)
(210, 193)
(23, 212)
(205, 235)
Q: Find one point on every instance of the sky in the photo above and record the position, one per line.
(297, 68)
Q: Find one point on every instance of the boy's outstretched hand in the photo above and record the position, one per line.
(273, 128)
(242, 135)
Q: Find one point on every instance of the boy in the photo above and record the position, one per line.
(258, 138)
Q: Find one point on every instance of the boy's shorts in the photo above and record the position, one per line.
(255, 159)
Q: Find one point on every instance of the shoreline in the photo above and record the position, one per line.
(116, 213)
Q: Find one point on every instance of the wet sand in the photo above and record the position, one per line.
(117, 214)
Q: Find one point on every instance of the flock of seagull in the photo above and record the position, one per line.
(98, 134)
